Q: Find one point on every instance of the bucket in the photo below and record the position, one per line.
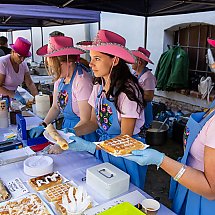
(156, 136)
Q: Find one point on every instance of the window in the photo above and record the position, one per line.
(193, 39)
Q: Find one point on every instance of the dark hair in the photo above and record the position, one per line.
(56, 33)
(3, 41)
(123, 81)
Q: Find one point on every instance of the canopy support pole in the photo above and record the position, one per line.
(32, 49)
(41, 30)
(145, 32)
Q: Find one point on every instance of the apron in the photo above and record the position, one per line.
(65, 104)
(184, 200)
(148, 109)
(109, 127)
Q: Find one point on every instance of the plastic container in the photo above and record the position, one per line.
(107, 180)
(38, 165)
(124, 208)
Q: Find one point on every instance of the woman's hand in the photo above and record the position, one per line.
(55, 149)
(147, 157)
(82, 145)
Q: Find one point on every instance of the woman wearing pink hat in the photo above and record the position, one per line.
(193, 178)
(14, 71)
(72, 88)
(146, 80)
(117, 100)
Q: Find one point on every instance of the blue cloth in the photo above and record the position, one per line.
(65, 104)
(109, 127)
(184, 200)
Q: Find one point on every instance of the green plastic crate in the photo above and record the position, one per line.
(124, 208)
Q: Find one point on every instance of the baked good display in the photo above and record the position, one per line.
(29, 205)
(45, 181)
(57, 137)
(74, 201)
(4, 192)
(56, 192)
(122, 145)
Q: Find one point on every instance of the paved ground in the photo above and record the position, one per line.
(157, 181)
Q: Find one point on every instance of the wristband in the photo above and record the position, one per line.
(180, 173)
(44, 124)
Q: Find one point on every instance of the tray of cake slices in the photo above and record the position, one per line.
(27, 205)
(64, 197)
(122, 145)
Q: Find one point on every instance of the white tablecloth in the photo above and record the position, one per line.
(73, 166)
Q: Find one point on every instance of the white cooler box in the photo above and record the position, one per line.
(107, 180)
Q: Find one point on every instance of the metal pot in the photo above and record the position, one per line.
(157, 135)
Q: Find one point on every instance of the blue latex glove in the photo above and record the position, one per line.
(19, 98)
(147, 157)
(82, 145)
(36, 131)
(68, 130)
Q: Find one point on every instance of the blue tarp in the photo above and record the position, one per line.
(41, 16)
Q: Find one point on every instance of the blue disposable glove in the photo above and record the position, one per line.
(68, 130)
(36, 131)
(147, 157)
(82, 145)
(19, 98)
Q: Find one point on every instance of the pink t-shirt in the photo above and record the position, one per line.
(12, 79)
(147, 81)
(127, 107)
(204, 138)
(81, 89)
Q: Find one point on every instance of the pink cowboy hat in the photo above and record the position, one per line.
(59, 46)
(111, 43)
(143, 54)
(22, 47)
(211, 42)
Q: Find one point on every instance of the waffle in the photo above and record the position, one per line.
(56, 192)
(45, 181)
(121, 145)
(29, 205)
(58, 204)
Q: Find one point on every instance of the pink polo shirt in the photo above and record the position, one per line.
(81, 89)
(205, 138)
(147, 81)
(127, 107)
(12, 79)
